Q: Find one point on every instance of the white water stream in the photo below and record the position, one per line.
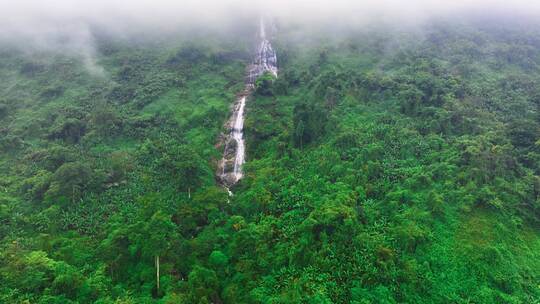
(238, 136)
(265, 60)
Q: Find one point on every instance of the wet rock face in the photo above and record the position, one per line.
(230, 148)
(233, 154)
(230, 166)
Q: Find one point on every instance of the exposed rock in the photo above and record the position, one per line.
(230, 166)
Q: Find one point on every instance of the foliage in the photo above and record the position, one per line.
(382, 167)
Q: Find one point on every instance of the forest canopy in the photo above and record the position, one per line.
(383, 166)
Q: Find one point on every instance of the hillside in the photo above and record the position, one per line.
(382, 166)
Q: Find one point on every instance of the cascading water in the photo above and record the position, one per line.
(238, 136)
(265, 60)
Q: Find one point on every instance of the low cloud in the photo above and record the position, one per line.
(67, 25)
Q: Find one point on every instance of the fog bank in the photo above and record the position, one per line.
(68, 25)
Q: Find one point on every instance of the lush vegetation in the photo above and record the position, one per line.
(383, 167)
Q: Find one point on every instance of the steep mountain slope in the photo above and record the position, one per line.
(382, 167)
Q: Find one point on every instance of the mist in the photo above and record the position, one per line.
(69, 26)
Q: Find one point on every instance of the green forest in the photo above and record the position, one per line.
(383, 166)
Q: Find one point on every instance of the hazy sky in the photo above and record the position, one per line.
(65, 25)
(45, 17)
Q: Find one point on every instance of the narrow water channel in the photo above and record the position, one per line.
(265, 60)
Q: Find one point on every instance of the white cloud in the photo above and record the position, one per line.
(65, 25)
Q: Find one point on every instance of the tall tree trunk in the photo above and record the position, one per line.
(157, 271)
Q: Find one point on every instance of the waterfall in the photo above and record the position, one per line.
(238, 136)
(265, 60)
